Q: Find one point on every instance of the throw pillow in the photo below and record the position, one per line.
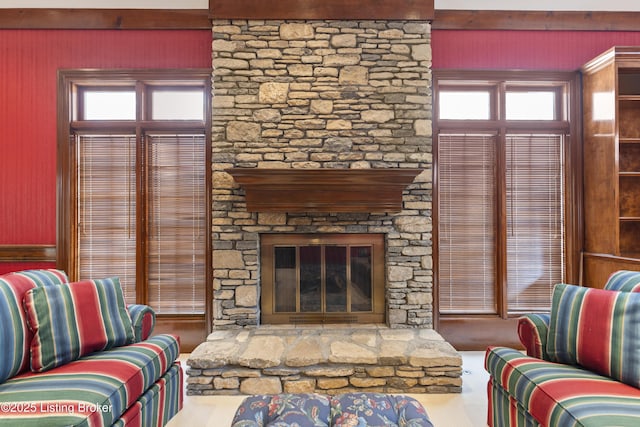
(597, 329)
(73, 320)
(15, 336)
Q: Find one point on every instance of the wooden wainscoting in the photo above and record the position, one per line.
(477, 333)
(192, 330)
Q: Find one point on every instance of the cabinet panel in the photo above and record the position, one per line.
(629, 157)
(611, 96)
(630, 239)
(629, 112)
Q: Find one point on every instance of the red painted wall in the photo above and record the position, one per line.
(528, 50)
(29, 61)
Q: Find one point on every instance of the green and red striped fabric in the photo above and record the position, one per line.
(97, 390)
(596, 329)
(624, 281)
(555, 394)
(74, 320)
(15, 336)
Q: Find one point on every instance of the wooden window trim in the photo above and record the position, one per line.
(66, 175)
(453, 325)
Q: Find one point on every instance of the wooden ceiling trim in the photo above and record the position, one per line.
(422, 10)
(535, 20)
(105, 19)
(195, 19)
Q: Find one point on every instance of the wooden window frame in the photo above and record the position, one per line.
(472, 332)
(192, 328)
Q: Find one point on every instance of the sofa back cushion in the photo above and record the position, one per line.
(624, 281)
(15, 336)
(597, 329)
(74, 320)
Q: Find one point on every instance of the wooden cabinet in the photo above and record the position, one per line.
(611, 100)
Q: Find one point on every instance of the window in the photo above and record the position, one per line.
(503, 182)
(133, 162)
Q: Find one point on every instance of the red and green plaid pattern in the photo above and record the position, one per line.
(15, 336)
(555, 394)
(597, 329)
(74, 320)
(98, 389)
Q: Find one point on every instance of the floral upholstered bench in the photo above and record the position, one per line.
(350, 409)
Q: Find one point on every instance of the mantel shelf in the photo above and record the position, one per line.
(323, 190)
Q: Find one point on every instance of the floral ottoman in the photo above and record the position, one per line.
(345, 410)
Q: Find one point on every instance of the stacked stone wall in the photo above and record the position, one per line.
(321, 94)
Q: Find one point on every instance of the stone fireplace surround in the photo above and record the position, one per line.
(310, 95)
(321, 94)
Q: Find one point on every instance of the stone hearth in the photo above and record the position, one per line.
(330, 359)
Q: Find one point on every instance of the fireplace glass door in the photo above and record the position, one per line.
(322, 278)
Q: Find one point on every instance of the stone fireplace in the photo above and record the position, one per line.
(316, 95)
(322, 148)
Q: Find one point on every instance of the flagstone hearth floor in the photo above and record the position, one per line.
(327, 359)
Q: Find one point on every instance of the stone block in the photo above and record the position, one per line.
(243, 131)
(273, 93)
(246, 296)
(296, 31)
(354, 75)
(367, 382)
(226, 383)
(381, 371)
(329, 383)
(343, 40)
(300, 386)
(262, 352)
(348, 352)
(270, 385)
(305, 352)
(377, 116)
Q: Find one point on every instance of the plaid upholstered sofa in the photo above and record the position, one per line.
(582, 366)
(72, 354)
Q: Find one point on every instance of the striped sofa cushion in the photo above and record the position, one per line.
(74, 320)
(624, 280)
(15, 336)
(93, 391)
(161, 402)
(597, 329)
(562, 395)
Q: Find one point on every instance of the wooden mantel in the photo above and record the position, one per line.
(323, 190)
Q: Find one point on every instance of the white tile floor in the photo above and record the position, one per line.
(466, 409)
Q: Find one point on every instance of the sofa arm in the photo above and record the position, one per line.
(143, 319)
(532, 331)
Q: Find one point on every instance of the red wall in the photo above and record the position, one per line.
(29, 61)
(528, 50)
